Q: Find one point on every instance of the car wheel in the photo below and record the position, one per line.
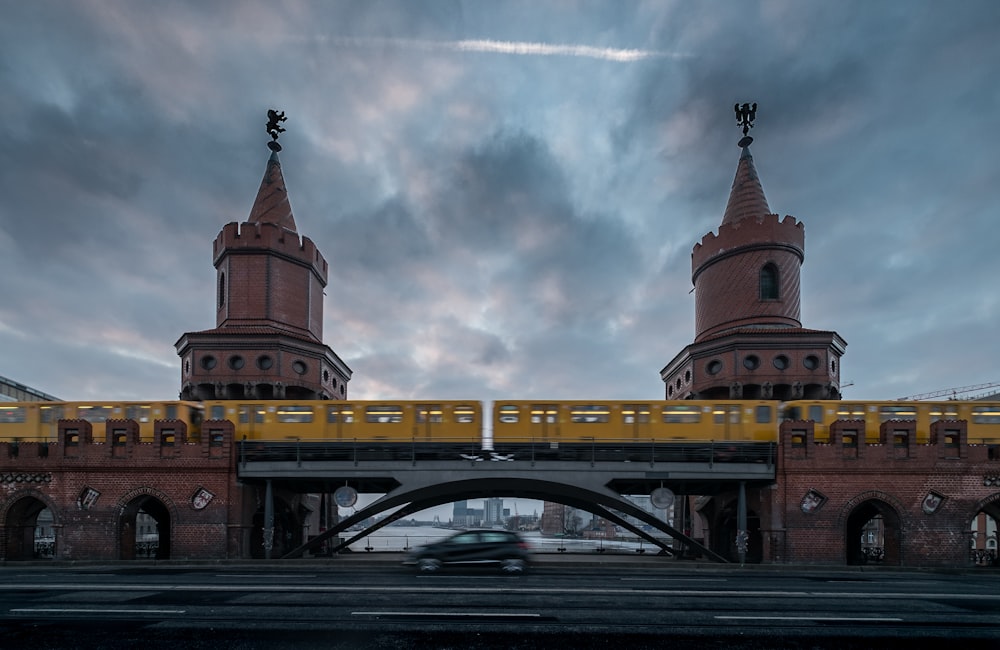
(428, 564)
(512, 565)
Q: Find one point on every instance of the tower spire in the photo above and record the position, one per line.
(271, 204)
(746, 199)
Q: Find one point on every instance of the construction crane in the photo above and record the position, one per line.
(952, 393)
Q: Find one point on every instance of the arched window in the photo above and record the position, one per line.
(769, 282)
(222, 290)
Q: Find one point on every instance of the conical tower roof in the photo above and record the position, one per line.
(746, 199)
(271, 204)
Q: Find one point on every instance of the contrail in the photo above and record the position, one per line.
(543, 49)
(514, 47)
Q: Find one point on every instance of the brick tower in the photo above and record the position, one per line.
(749, 342)
(268, 338)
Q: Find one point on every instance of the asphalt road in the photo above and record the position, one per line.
(578, 602)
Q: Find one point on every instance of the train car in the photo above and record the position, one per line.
(39, 421)
(392, 421)
(983, 418)
(613, 430)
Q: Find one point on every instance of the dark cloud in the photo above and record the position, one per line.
(496, 223)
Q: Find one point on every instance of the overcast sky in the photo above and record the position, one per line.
(507, 193)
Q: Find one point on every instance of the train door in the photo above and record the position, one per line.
(544, 423)
(250, 420)
(339, 421)
(429, 422)
(635, 422)
(726, 421)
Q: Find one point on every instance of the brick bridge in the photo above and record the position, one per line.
(800, 501)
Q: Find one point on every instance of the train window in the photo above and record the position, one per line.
(635, 413)
(763, 414)
(94, 413)
(12, 415)
(384, 414)
(171, 411)
(589, 413)
(344, 414)
(429, 413)
(897, 413)
(508, 414)
(681, 414)
(942, 412)
(465, 414)
(816, 413)
(295, 413)
(217, 412)
(50, 414)
(986, 414)
(850, 412)
(139, 413)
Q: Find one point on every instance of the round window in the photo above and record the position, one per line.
(781, 362)
(751, 362)
(714, 367)
(299, 367)
(208, 362)
(811, 362)
(264, 362)
(236, 362)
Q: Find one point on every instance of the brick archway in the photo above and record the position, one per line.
(17, 525)
(864, 509)
(156, 505)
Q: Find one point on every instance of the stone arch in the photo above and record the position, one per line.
(879, 512)
(155, 504)
(18, 519)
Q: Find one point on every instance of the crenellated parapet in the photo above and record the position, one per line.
(764, 232)
(249, 237)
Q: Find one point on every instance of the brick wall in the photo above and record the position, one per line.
(91, 486)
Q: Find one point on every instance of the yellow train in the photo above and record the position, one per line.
(398, 421)
(508, 424)
(38, 421)
(982, 418)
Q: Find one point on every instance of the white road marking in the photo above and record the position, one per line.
(67, 610)
(438, 614)
(862, 619)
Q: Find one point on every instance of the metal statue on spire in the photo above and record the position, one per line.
(745, 115)
(274, 118)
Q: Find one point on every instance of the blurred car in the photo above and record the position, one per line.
(503, 548)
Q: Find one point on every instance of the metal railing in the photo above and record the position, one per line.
(593, 451)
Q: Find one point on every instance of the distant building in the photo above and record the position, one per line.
(12, 391)
(493, 512)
